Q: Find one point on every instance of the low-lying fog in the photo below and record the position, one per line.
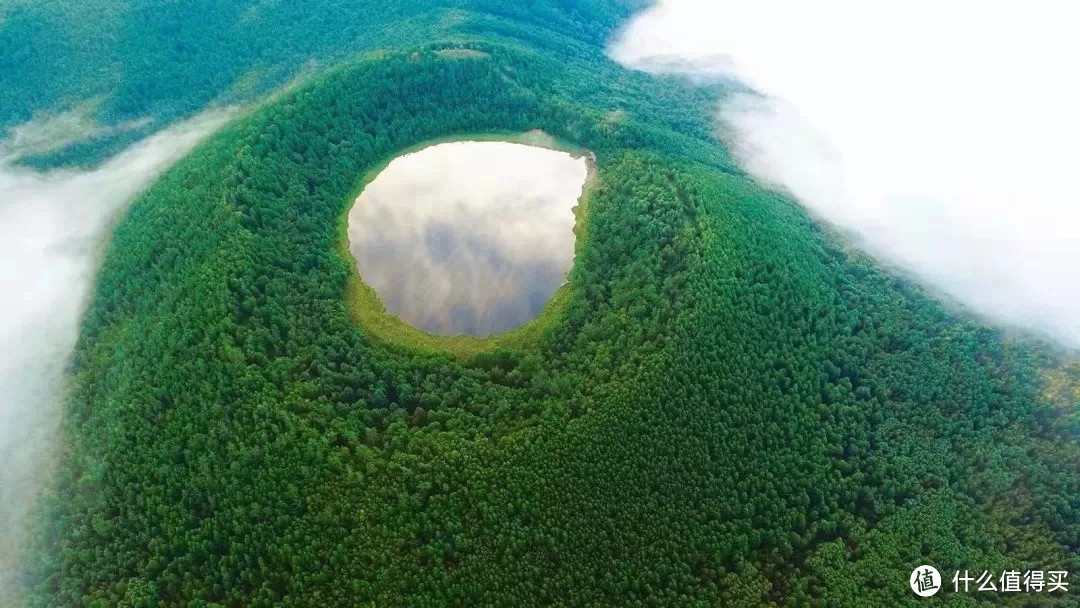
(944, 134)
(52, 227)
(468, 237)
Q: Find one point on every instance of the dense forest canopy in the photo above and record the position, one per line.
(730, 408)
(124, 62)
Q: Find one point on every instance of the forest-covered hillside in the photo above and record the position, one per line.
(732, 408)
(147, 63)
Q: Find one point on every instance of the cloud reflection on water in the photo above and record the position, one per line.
(468, 237)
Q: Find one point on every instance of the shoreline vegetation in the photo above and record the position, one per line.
(379, 324)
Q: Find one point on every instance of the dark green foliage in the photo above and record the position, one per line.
(732, 409)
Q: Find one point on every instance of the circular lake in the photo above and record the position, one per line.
(468, 237)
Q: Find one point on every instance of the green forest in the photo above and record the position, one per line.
(731, 407)
(138, 59)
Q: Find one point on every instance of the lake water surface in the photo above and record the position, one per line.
(468, 237)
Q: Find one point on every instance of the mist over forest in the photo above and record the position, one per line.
(951, 158)
(53, 228)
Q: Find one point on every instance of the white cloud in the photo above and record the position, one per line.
(51, 227)
(944, 133)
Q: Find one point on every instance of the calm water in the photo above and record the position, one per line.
(468, 237)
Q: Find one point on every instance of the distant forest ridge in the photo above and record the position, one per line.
(131, 60)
